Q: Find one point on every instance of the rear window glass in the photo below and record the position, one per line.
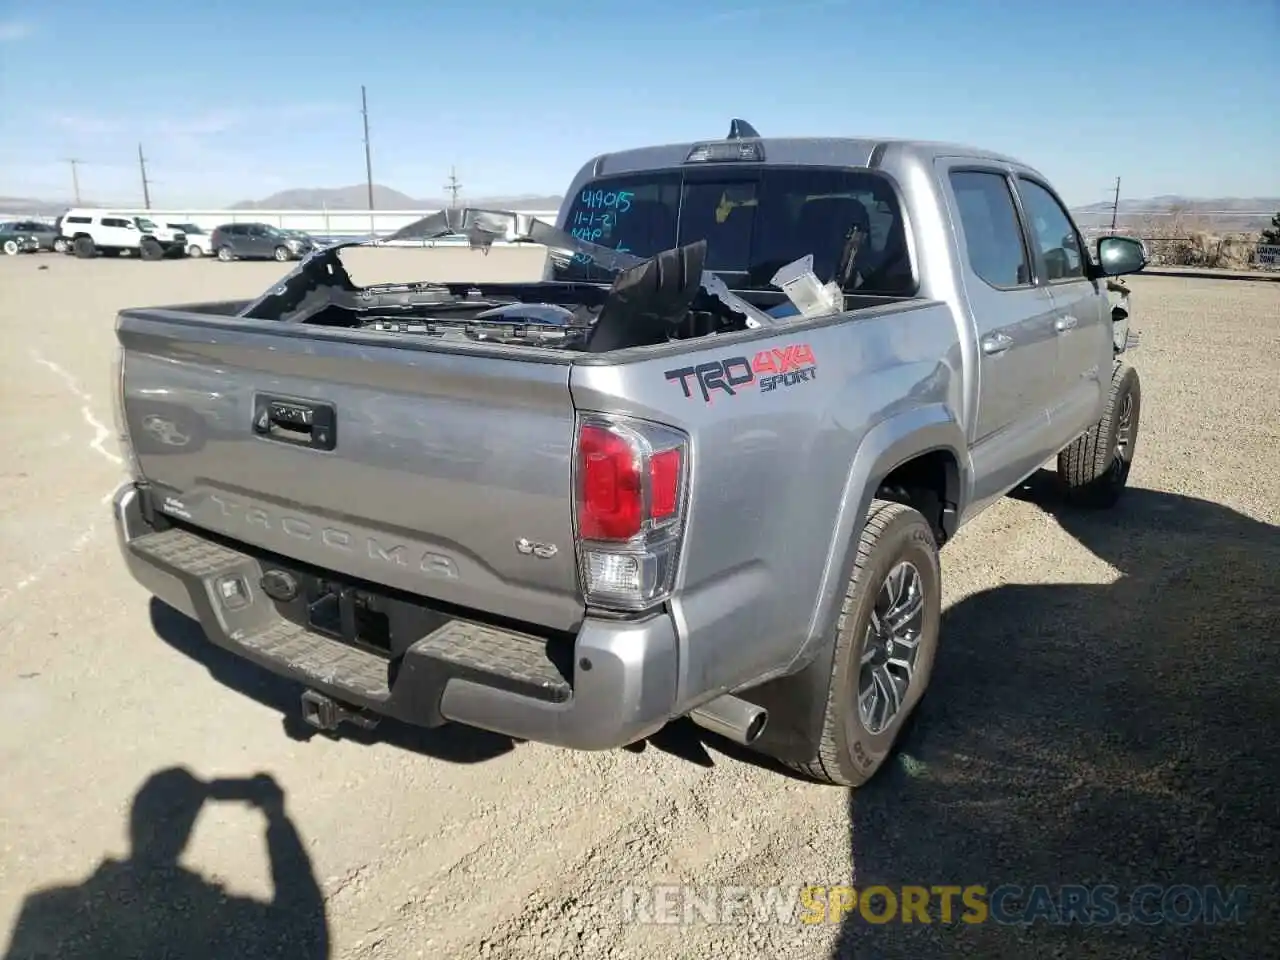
(755, 220)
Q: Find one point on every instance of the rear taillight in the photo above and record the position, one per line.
(123, 438)
(630, 480)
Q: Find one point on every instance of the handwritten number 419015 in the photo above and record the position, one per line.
(617, 200)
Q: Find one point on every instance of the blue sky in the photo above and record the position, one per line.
(236, 100)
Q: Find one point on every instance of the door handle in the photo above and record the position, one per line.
(996, 343)
(302, 422)
(1063, 324)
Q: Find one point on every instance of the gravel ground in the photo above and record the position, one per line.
(1104, 710)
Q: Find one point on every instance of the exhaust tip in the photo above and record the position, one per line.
(732, 717)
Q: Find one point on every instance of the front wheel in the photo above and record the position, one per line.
(11, 248)
(150, 249)
(886, 639)
(85, 248)
(225, 255)
(1095, 468)
(282, 254)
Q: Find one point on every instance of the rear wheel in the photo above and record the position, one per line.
(886, 639)
(282, 254)
(11, 248)
(194, 251)
(1095, 468)
(150, 249)
(85, 248)
(60, 245)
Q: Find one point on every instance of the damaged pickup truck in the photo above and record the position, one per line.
(702, 468)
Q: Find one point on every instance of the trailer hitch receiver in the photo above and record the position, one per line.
(325, 713)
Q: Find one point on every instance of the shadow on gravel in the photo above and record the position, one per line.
(452, 742)
(1124, 734)
(148, 905)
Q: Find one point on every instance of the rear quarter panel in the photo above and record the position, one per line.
(782, 473)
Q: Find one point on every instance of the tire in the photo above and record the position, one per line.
(60, 245)
(195, 251)
(850, 749)
(225, 254)
(150, 249)
(85, 248)
(1095, 468)
(11, 248)
(282, 254)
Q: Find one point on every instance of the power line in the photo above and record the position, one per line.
(368, 162)
(146, 184)
(75, 178)
(453, 186)
(1115, 206)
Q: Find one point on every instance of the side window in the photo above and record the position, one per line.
(992, 235)
(78, 220)
(114, 222)
(1052, 233)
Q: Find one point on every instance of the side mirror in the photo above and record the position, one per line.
(1121, 255)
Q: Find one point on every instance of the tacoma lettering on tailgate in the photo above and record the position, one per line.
(335, 538)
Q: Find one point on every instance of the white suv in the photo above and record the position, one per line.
(90, 232)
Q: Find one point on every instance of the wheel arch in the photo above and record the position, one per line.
(921, 448)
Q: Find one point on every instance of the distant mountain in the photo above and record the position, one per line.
(384, 198)
(1192, 205)
(26, 207)
(1154, 215)
(331, 198)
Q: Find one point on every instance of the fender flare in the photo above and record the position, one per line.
(886, 446)
(796, 696)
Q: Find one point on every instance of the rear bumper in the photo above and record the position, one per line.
(621, 689)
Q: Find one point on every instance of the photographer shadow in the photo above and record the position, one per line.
(452, 742)
(148, 905)
(1091, 734)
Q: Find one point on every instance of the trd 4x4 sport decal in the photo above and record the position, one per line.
(771, 369)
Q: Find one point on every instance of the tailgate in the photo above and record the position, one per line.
(391, 462)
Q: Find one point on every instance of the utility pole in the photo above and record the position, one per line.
(1115, 207)
(75, 179)
(368, 163)
(146, 184)
(453, 186)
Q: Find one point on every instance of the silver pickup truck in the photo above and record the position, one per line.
(703, 468)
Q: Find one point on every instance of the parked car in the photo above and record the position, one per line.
(257, 241)
(199, 242)
(45, 233)
(704, 469)
(91, 232)
(14, 240)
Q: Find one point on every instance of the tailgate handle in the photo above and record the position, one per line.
(306, 423)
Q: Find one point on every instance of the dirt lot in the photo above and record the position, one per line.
(1105, 709)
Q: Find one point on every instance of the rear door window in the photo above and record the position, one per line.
(992, 234)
